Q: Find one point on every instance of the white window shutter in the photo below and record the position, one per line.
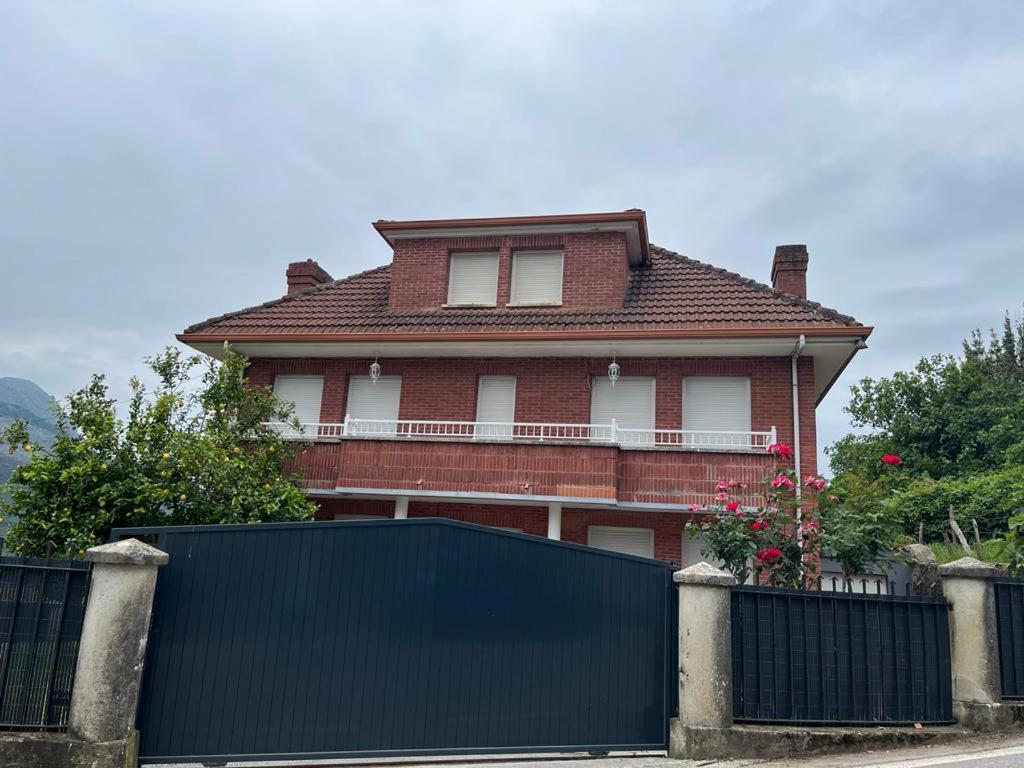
(305, 394)
(473, 278)
(628, 541)
(376, 402)
(718, 404)
(495, 406)
(630, 403)
(536, 277)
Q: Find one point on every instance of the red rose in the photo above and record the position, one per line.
(892, 458)
(732, 506)
(781, 450)
(769, 555)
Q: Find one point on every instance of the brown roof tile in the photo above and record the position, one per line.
(673, 292)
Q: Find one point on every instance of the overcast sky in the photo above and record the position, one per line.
(162, 162)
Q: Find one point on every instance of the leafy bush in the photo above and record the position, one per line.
(180, 457)
(990, 498)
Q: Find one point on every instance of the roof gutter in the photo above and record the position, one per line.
(853, 332)
(390, 230)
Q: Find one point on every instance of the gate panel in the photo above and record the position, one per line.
(401, 637)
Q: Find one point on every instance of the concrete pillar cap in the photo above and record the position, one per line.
(127, 552)
(918, 554)
(704, 573)
(969, 568)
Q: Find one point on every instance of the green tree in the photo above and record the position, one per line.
(950, 415)
(182, 456)
(858, 522)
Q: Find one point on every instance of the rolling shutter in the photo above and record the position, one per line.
(374, 401)
(716, 404)
(536, 277)
(630, 402)
(473, 279)
(628, 541)
(495, 402)
(305, 394)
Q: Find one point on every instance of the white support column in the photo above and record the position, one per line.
(554, 520)
(401, 508)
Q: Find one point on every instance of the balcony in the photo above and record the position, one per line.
(525, 433)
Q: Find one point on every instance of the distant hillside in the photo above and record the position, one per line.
(23, 399)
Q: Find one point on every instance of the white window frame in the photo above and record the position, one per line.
(378, 429)
(286, 430)
(599, 435)
(592, 528)
(453, 257)
(513, 302)
(748, 403)
(492, 433)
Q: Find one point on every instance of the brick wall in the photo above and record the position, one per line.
(595, 268)
(667, 526)
(547, 390)
(558, 389)
(571, 471)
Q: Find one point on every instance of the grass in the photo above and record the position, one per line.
(993, 550)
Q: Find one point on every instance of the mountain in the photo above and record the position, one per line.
(23, 399)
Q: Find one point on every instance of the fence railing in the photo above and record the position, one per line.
(839, 658)
(42, 606)
(1009, 594)
(528, 432)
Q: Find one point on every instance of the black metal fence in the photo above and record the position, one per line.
(839, 658)
(1010, 623)
(42, 605)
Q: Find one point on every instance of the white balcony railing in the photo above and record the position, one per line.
(522, 432)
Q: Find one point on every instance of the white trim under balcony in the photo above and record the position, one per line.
(531, 433)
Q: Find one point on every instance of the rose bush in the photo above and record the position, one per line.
(773, 537)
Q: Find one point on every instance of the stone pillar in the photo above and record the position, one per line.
(967, 584)
(401, 508)
(113, 645)
(705, 661)
(554, 520)
(924, 570)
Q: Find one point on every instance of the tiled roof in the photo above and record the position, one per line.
(673, 292)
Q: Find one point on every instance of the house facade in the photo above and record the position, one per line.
(557, 375)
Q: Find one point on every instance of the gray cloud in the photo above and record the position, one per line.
(161, 163)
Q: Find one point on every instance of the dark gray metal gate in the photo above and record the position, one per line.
(314, 640)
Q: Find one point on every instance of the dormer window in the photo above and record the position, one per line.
(536, 278)
(473, 279)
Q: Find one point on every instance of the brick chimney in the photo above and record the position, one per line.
(789, 270)
(305, 274)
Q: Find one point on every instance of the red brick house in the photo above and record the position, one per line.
(558, 375)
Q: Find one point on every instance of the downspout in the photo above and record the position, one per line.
(800, 344)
